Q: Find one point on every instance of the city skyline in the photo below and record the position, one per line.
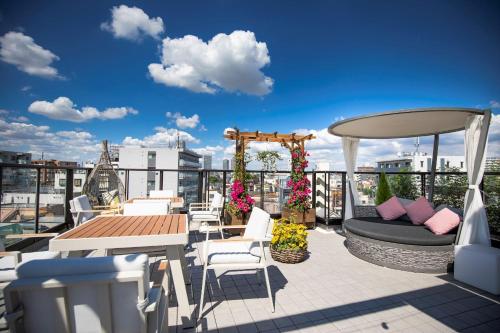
(87, 75)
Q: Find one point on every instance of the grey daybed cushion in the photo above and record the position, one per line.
(397, 231)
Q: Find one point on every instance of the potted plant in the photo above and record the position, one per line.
(299, 202)
(289, 242)
(240, 203)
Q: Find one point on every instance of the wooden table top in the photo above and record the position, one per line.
(122, 226)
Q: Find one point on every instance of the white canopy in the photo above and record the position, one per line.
(423, 122)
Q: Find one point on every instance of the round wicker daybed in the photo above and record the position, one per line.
(399, 244)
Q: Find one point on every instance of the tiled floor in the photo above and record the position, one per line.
(333, 291)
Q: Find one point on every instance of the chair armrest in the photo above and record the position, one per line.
(234, 226)
(40, 235)
(236, 239)
(157, 285)
(16, 254)
(193, 204)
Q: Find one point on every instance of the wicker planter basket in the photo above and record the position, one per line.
(288, 256)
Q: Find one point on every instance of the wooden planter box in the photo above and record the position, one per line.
(308, 217)
(230, 219)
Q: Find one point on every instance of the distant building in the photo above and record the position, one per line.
(47, 176)
(184, 184)
(233, 162)
(492, 164)
(207, 162)
(420, 162)
(225, 164)
(16, 178)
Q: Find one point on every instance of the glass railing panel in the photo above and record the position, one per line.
(449, 189)
(276, 191)
(492, 202)
(18, 207)
(52, 198)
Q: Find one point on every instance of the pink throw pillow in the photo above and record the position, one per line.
(391, 209)
(419, 211)
(443, 222)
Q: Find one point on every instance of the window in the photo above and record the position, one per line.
(461, 164)
(77, 182)
(447, 164)
(62, 182)
(421, 164)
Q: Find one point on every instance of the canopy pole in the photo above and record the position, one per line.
(432, 179)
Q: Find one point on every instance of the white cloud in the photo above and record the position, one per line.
(495, 104)
(62, 108)
(209, 150)
(26, 88)
(132, 23)
(162, 137)
(230, 62)
(183, 121)
(66, 145)
(21, 119)
(203, 128)
(21, 51)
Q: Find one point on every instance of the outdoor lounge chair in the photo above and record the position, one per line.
(207, 212)
(145, 208)
(161, 194)
(100, 294)
(82, 211)
(9, 260)
(240, 253)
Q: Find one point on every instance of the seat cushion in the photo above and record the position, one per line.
(397, 231)
(232, 252)
(7, 271)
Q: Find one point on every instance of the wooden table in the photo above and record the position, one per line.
(119, 232)
(175, 202)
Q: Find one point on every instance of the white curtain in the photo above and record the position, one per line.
(350, 147)
(475, 226)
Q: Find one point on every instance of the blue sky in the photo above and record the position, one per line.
(120, 67)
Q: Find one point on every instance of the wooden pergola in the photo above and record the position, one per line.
(290, 141)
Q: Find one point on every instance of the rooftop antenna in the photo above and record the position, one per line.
(417, 145)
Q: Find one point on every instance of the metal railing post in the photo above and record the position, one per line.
(127, 177)
(423, 181)
(224, 175)
(343, 195)
(37, 201)
(68, 218)
(1, 189)
(161, 180)
(314, 189)
(200, 186)
(262, 190)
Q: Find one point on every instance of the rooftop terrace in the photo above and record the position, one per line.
(333, 291)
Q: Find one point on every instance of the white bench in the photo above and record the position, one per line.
(479, 266)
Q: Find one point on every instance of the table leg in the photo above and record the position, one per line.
(185, 272)
(174, 255)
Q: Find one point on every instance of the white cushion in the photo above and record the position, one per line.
(479, 266)
(145, 209)
(161, 194)
(82, 203)
(232, 253)
(257, 224)
(7, 267)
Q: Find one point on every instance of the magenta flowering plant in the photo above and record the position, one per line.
(300, 199)
(241, 202)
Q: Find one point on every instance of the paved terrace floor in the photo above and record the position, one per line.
(333, 291)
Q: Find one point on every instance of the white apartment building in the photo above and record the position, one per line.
(421, 162)
(184, 184)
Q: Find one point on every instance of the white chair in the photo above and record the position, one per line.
(100, 294)
(207, 212)
(240, 253)
(82, 211)
(161, 194)
(9, 260)
(145, 208)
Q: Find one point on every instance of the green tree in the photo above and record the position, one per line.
(383, 190)
(403, 185)
(450, 189)
(492, 199)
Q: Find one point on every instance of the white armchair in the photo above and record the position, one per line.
(240, 253)
(161, 194)
(82, 211)
(146, 208)
(9, 260)
(100, 294)
(207, 212)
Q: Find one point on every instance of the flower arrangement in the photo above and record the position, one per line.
(241, 202)
(299, 199)
(289, 236)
